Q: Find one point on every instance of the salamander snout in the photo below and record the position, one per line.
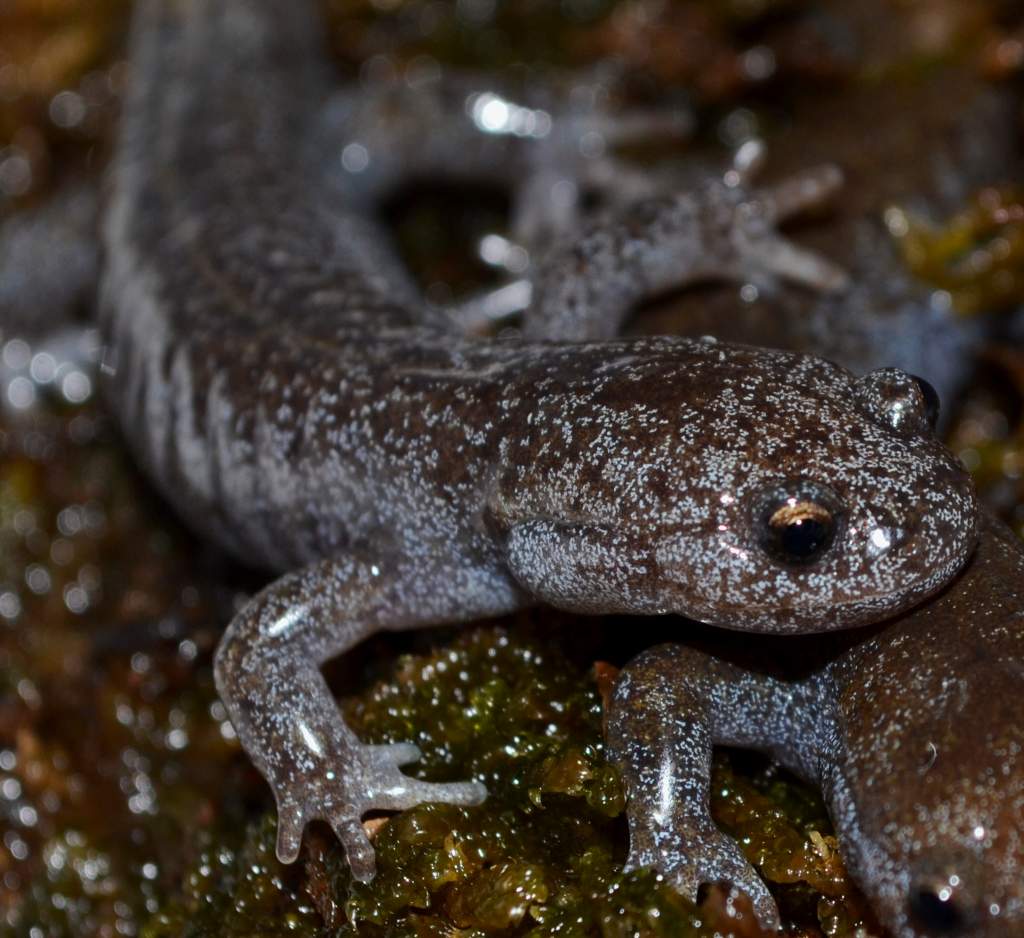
(936, 906)
(958, 902)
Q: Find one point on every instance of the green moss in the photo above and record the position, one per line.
(114, 752)
(543, 856)
(977, 256)
(239, 890)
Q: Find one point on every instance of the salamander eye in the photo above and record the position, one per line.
(934, 910)
(898, 400)
(799, 526)
(932, 405)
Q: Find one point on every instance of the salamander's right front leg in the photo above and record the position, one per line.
(267, 671)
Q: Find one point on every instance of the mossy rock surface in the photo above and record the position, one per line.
(543, 856)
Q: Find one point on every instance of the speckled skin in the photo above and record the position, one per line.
(290, 393)
(915, 734)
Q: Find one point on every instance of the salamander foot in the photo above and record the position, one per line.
(341, 788)
(707, 858)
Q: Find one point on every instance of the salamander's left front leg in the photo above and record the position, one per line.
(267, 670)
(669, 707)
(725, 230)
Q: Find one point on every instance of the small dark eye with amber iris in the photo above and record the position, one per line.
(797, 530)
(935, 911)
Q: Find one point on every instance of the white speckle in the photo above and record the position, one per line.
(286, 621)
(310, 739)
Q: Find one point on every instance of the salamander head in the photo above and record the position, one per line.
(936, 839)
(965, 890)
(838, 508)
(746, 488)
(927, 791)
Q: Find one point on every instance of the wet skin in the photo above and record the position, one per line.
(915, 734)
(293, 396)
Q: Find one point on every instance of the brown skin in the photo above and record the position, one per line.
(916, 734)
(931, 748)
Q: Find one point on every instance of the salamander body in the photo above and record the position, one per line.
(289, 391)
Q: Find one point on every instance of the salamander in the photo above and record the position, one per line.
(297, 400)
(915, 735)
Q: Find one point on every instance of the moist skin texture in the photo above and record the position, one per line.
(915, 734)
(285, 386)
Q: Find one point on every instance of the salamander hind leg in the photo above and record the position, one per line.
(725, 229)
(574, 158)
(670, 706)
(762, 254)
(267, 671)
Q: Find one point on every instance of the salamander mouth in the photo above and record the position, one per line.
(817, 610)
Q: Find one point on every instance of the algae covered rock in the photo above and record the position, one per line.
(543, 855)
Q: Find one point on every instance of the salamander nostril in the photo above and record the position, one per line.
(935, 911)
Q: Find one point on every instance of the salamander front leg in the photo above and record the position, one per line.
(267, 671)
(670, 706)
(726, 230)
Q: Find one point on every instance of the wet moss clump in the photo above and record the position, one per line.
(977, 256)
(543, 856)
(113, 747)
